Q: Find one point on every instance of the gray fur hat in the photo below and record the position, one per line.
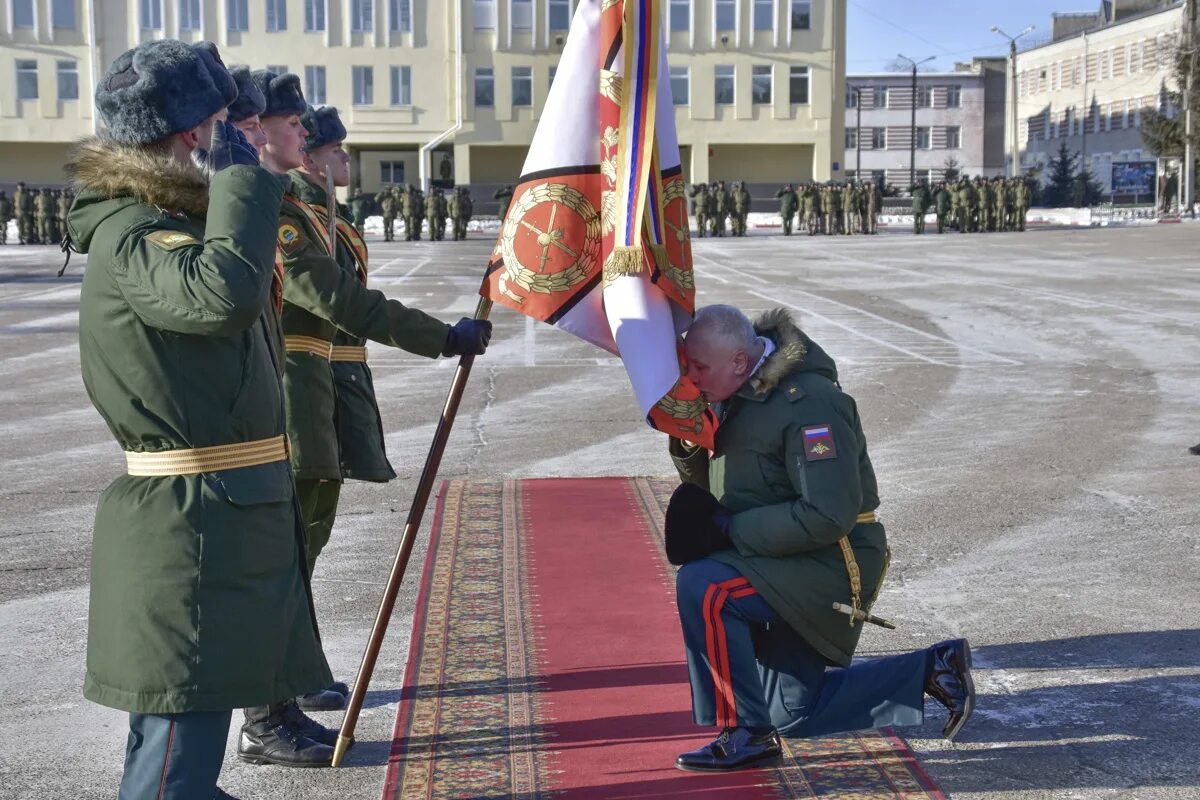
(162, 87)
(282, 93)
(250, 100)
(324, 127)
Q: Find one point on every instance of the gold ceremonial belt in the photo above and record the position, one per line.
(866, 518)
(348, 353)
(308, 344)
(208, 459)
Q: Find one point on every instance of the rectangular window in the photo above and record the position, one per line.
(560, 15)
(923, 140)
(22, 13)
(402, 86)
(953, 97)
(400, 18)
(62, 13)
(68, 80)
(276, 16)
(798, 86)
(801, 15)
(314, 16)
(681, 15)
(362, 16)
(878, 138)
(924, 97)
(522, 86)
(27, 80)
(681, 86)
(953, 137)
(189, 15)
(852, 96)
(485, 87)
(760, 84)
(851, 138)
(391, 173)
(485, 15)
(239, 15)
(723, 84)
(522, 15)
(726, 11)
(314, 85)
(764, 15)
(364, 86)
(881, 97)
(150, 15)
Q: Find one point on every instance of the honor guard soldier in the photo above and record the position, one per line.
(772, 529)
(722, 205)
(23, 209)
(466, 207)
(200, 601)
(920, 205)
(700, 194)
(741, 208)
(787, 207)
(386, 201)
(503, 197)
(41, 215)
(941, 206)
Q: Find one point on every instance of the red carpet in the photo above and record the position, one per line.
(547, 660)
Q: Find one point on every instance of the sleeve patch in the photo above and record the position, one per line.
(171, 240)
(819, 444)
(290, 238)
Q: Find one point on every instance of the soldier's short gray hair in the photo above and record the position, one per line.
(725, 323)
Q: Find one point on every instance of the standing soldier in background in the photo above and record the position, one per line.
(6, 213)
(808, 213)
(848, 208)
(41, 215)
(787, 207)
(953, 189)
(834, 211)
(874, 206)
(412, 223)
(1020, 201)
(387, 207)
(453, 209)
(503, 196)
(987, 204)
(466, 207)
(701, 197)
(941, 205)
(435, 215)
(741, 208)
(819, 208)
(359, 209)
(964, 204)
(1000, 193)
(63, 202)
(920, 205)
(23, 209)
(721, 206)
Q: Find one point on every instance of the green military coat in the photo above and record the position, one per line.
(787, 201)
(790, 505)
(199, 594)
(334, 427)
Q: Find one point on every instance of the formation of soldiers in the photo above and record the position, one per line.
(979, 205)
(410, 204)
(833, 208)
(716, 205)
(40, 214)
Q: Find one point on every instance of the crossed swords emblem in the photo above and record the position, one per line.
(551, 237)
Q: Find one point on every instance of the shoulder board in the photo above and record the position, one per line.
(171, 240)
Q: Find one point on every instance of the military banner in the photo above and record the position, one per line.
(596, 239)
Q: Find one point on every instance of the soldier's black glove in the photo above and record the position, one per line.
(468, 337)
(697, 525)
(227, 148)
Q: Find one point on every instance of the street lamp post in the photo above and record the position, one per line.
(1014, 153)
(912, 150)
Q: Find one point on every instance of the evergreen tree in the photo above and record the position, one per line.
(951, 168)
(1163, 133)
(1059, 191)
(1086, 191)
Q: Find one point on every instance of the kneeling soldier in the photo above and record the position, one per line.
(793, 532)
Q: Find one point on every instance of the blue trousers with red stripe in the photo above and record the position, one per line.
(750, 669)
(174, 756)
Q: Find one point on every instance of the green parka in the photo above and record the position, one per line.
(199, 595)
(790, 507)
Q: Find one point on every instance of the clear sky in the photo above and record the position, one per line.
(951, 30)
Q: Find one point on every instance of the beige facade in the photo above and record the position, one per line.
(764, 79)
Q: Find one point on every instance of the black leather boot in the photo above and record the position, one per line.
(267, 739)
(307, 727)
(735, 748)
(322, 700)
(949, 682)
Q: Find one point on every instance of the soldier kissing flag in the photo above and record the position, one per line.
(596, 239)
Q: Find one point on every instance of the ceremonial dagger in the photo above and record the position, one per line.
(861, 616)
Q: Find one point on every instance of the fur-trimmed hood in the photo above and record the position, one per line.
(109, 176)
(794, 352)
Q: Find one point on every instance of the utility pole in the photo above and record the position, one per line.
(912, 149)
(1189, 155)
(1014, 146)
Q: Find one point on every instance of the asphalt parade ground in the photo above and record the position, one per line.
(1028, 400)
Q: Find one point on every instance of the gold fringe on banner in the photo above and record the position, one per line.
(623, 261)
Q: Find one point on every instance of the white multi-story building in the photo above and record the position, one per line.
(758, 84)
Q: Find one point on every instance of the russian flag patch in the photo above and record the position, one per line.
(818, 443)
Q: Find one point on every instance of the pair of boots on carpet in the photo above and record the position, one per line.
(283, 735)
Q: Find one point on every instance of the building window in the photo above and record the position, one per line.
(923, 140)
(801, 15)
(924, 97)
(764, 15)
(798, 86)
(362, 16)
(680, 86)
(68, 80)
(723, 84)
(400, 17)
(391, 173)
(560, 15)
(522, 86)
(27, 80)
(953, 97)
(22, 13)
(276, 16)
(726, 11)
(485, 87)
(760, 84)
(314, 16)
(314, 85)
(852, 96)
(189, 15)
(953, 137)
(62, 14)
(522, 15)
(681, 15)
(278, 69)
(150, 15)
(364, 86)
(851, 138)
(881, 97)
(239, 15)
(878, 138)
(485, 15)
(402, 86)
